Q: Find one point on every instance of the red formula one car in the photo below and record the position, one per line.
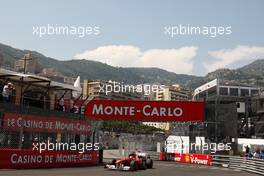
(133, 162)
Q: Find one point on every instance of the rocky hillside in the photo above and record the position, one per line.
(250, 74)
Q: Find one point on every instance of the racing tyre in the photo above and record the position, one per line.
(149, 163)
(133, 165)
(143, 165)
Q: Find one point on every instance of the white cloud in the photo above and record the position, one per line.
(178, 60)
(226, 57)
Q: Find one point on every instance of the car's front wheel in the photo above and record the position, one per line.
(133, 166)
(149, 163)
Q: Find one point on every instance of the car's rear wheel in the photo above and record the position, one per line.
(149, 163)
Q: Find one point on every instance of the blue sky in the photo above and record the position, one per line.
(132, 32)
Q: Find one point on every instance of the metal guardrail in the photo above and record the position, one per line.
(239, 163)
(154, 155)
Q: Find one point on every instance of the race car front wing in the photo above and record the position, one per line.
(117, 167)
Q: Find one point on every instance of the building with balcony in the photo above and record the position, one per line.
(228, 109)
(34, 100)
(28, 64)
(107, 90)
(171, 93)
(226, 90)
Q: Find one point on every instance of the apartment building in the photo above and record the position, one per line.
(170, 93)
(106, 90)
(28, 64)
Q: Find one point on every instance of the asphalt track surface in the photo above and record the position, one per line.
(161, 168)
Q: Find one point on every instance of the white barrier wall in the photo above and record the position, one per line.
(253, 144)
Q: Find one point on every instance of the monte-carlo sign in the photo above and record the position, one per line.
(145, 110)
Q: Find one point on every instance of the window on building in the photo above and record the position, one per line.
(244, 92)
(212, 92)
(202, 95)
(223, 91)
(261, 103)
(254, 92)
(233, 91)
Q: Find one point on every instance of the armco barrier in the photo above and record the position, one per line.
(239, 163)
(154, 155)
(187, 158)
(28, 159)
